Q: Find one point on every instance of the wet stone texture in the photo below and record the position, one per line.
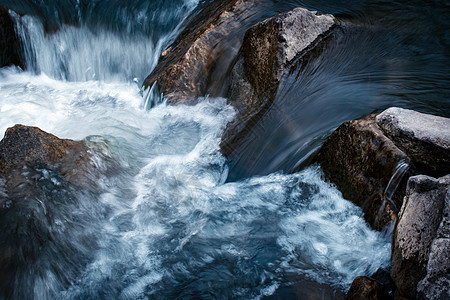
(420, 253)
(9, 43)
(361, 160)
(25, 146)
(210, 42)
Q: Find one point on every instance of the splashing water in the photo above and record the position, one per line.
(400, 170)
(164, 224)
(82, 53)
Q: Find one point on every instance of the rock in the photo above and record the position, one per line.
(49, 203)
(361, 161)
(366, 288)
(268, 50)
(424, 138)
(212, 56)
(202, 53)
(9, 43)
(25, 146)
(420, 252)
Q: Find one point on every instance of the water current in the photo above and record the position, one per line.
(169, 220)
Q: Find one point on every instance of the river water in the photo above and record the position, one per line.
(174, 219)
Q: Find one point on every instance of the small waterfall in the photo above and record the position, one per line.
(393, 183)
(83, 52)
(153, 96)
(79, 54)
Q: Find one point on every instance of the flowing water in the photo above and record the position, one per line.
(165, 222)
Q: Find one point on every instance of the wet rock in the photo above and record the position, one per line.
(212, 56)
(425, 138)
(420, 253)
(366, 288)
(268, 50)
(361, 161)
(25, 146)
(9, 43)
(201, 54)
(49, 191)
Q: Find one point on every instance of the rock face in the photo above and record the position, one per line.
(268, 50)
(366, 288)
(425, 138)
(361, 161)
(210, 42)
(420, 251)
(9, 43)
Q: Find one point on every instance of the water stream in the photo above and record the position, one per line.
(164, 223)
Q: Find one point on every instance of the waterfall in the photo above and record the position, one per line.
(394, 181)
(82, 52)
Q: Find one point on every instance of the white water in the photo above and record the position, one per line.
(167, 225)
(82, 53)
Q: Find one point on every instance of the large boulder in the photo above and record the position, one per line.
(216, 55)
(420, 251)
(48, 192)
(210, 42)
(425, 138)
(268, 51)
(361, 161)
(9, 43)
(371, 159)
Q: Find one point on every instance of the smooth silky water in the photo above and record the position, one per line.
(164, 223)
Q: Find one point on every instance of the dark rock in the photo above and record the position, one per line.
(366, 288)
(361, 161)
(9, 43)
(210, 42)
(268, 50)
(25, 146)
(383, 276)
(424, 138)
(420, 249)
(49, 206)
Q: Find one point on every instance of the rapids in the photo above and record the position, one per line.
(171, 221)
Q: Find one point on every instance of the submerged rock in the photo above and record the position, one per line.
(361, 161)
(268, 50)
(425, 138)
(9, 43)
(366, 288)
(420, 262)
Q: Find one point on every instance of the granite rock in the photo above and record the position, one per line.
(361, 161)
(419, 262)
(268, 51)
(424, 138)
